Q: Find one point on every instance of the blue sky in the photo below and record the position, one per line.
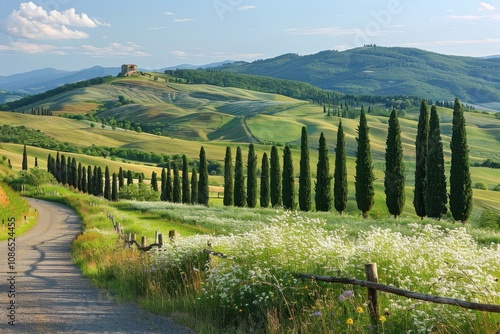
(76, 34)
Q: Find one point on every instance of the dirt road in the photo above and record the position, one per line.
(49, 293)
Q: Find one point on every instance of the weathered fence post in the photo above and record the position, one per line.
(156, 237)
(373, 309)
(173, 234)
(143, 241)
(160, 240)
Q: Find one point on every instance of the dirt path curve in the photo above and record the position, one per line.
(52, 296)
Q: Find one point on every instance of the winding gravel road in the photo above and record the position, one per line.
(52, 296)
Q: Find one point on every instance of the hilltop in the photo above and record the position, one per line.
(388, 71)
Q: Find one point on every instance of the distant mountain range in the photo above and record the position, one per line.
(370, 70)
(387, 71)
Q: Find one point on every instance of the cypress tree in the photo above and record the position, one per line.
(421, 157)
(323, 196)
(121, 181)
(69, 172)
(275, 179)
(436, 194)
(95, 182)
(288, 189)
(79, 177)
(99, 183)
(163, 194)
(84, 180)
(169, 190)
(264, 182)
(90, 181)
(130, 178)
(305, 173)
(228, 178)
(176, 192)
(460, 180)
(364, 169)
(25, 159)
(239, 180)
(154, 181)
(57, 171)
(251, 177)
(186, 191)
(203, 193)
(340, 188)
(140, 178)
(36, 162)
(394, 181)
(114, 188)
(194, 186)
(107, 184)
(64, 170)
(74, 173)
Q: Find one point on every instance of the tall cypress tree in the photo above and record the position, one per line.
(251, 177)
(79, 177)
(323, 196)
(264, 182)
(176, 192)
(121, 181)
(305, 173)
(154, 181)
(74, 173)
(130, 178)
(436, 194)
(186, 189)
(163, 196)
(169, 189)
(36, 162)
(288, 189)
(90, 181)
(140, 178)
(340, 187)
(49, 164)
(239, 180)
(421, 144)
(203, 193)
(64, 170)
(460, 180)
(114, 188)
(228, 178)
(100, 182)
(25, 159)
(194, 186)
(58, 167)
(364, 169)
(275, 179)
(107, 184)
(84, 180)
(394, 181)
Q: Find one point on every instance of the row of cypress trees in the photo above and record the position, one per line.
(430, 193)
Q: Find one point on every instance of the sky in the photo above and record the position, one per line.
(77, 34)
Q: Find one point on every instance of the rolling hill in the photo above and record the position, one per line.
(387, 71)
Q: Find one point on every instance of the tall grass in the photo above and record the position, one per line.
(14, 206)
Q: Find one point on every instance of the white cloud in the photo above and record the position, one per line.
(333, 31)
(158, 28)
(32, 48)
(169, 13)
(486, 6)
(34, 22)
(179, 54)
(183, 20)
(456, 42)
(114, 49)
(491, 17)
(246, 7)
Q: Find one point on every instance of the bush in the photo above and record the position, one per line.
(489, 219)
(481, 186)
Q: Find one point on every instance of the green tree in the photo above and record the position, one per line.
(251, 177)
(394, 181)
(176, 192)
(275, 179)
(121, 181)
(364, 169)
(305, 173)
(114, 189)
(90, 181)
(154, 181)
(64, 170)
(239, 180)
(130, 178)
(323, 196)
(264, 182)
(186, 191)
(228, 178)
(163, 196)
(79, 177)
(203, 192)
(460, 180)
(194, 186)
(421, 146)
(99, 182)
(288, 190)
(436, 194)
(340, 187)
(74, 174)
(84, 180)
(169, 189)
(25, 159)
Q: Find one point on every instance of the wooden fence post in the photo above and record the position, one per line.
(143, 241)
(160, 240)
(156, 237)
(373, 309)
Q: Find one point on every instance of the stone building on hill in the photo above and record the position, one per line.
(128, 69)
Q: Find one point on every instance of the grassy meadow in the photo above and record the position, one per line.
(256, 288)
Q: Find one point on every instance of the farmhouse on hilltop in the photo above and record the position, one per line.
(128, 70)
